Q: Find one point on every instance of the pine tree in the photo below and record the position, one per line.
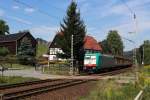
(73, 25)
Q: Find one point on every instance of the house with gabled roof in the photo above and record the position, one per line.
(90, 45)
(12, 41)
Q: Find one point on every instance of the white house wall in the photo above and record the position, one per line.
(53, 52)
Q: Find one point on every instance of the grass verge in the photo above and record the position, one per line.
(14, 79)
(110, 90)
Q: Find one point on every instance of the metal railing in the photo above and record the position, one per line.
(139, 96)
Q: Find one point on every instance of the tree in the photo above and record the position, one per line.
(4, 28)
(26, 53)
(3, 51)
(115, 43)
(104, 45)
(146, 48)
(72, 25)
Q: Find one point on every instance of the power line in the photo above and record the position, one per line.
(52, 6)
(134, 15)
(20, 20)
(37, 9)
(127, 6)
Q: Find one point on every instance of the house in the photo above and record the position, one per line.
(13, 41)
(90, 45)
(54, 49)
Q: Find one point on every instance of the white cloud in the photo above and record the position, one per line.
(45, 32)
(29, 10)
(15, 7)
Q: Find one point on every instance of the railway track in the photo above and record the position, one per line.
(2, 87)
(13, 93)
(27, 89)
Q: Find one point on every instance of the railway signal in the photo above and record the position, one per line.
(72, 58)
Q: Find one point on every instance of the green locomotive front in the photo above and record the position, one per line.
(92, 61)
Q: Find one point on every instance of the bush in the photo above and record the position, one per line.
(26, 53)
(26, 60)
(4, 51)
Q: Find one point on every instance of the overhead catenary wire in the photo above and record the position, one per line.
(37, 9)
(15, 18)
(53, 6)
(133, 16)
(127, 6)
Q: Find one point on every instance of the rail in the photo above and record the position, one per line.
(31, 91)
(25, 83)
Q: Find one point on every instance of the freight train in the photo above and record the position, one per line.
(94, 62)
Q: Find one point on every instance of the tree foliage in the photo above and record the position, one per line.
(26, 53)
(105, 47)
(146, 53)
(3, 51)
(4, 28)
(72, 25)
(115, 43)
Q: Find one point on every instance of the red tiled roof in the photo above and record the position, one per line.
(91, 44)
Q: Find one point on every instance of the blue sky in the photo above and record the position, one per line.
(100, 16)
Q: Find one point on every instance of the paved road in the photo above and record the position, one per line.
(30, 73)
(40, 75)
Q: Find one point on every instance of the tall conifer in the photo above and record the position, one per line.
(72, 25)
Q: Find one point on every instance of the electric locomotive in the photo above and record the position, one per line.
(94, 62)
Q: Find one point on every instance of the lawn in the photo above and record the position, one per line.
(111, 90)
(144, 77)
(14, 79)
(17, 66)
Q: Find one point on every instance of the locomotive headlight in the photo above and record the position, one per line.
(84, 68)
(94, 68)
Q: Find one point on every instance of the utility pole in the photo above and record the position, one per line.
(143, 56)
(72, 58)
(134, 57)
(136, 31)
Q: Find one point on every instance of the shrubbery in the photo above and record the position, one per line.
(4, 51)
(26, 53)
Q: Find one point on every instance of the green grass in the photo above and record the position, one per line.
(144, 81)
(17, 66)
(41, 49)
(14, 79)
(110, 90)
